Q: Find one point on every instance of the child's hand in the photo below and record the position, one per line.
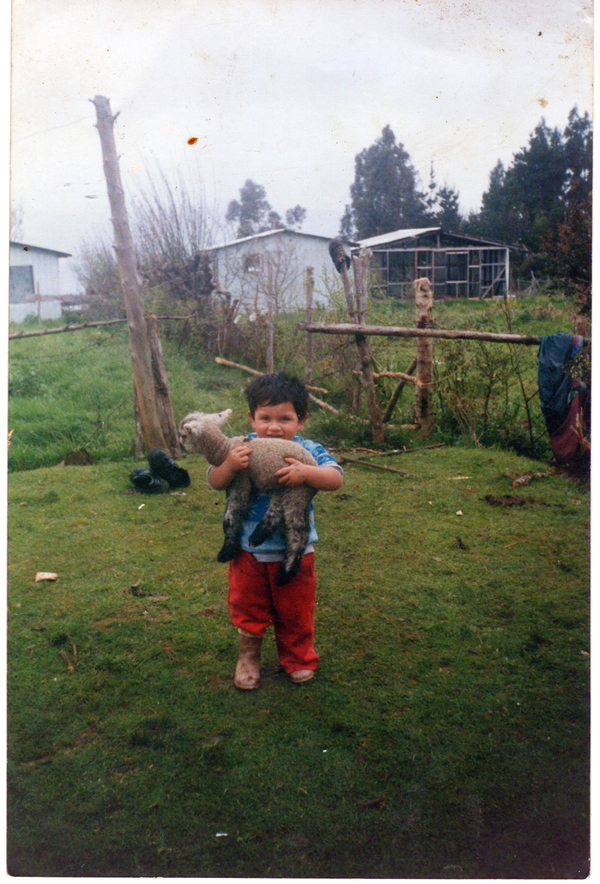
(238, 458)
(292, 474)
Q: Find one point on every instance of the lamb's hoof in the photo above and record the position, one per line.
(301, 675)
(227, 553)
(259, 535)
(284, 576)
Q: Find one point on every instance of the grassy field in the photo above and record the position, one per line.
(74, 390)
(445, 734)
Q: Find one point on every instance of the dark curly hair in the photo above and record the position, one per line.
(273, 389)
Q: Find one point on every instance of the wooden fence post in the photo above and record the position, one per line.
(356, 309)
(309, 289)
(270, 343)
(139, 346)
(361, 272)
(424, 385)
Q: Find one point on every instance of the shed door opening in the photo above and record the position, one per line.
(457, 274)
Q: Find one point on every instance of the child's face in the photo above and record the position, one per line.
(276, 421)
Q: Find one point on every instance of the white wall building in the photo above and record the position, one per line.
(273, 262)
(34, 282)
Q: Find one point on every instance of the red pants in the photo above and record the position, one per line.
(255, 602)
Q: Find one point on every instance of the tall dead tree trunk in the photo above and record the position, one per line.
(139, 346)
(161, 386)
(424, 385)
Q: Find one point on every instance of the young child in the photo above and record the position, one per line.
(278, 406)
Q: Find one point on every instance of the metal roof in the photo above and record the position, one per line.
(26, 246)
(395, 236)
(400, 235)
(266, 233)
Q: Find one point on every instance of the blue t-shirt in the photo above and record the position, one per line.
(274, 548)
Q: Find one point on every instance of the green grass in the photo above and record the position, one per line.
(75, 390)
(445, 734)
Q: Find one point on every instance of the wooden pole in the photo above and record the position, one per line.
(361, 270)
(78, 326)
(161, 386)
(309, 290)
(348, 293)
(424, 386)
(253, 371)
(405, 377)
(346, 328)
(139, 347)
(374, 466)
(270, 344)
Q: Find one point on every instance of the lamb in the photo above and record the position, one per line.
(289, 506)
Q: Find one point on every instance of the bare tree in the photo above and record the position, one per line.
(173, 234)
(96, 269)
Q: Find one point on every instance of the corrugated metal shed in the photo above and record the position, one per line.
(456, 265)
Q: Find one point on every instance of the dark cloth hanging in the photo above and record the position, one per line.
(562, 396)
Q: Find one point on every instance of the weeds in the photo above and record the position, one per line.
(485, 393)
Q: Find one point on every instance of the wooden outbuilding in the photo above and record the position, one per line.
(457, 266)
(271, 266)
(34, 282)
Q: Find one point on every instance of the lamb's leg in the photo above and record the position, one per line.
(269, 523)
(297, 532)
(238, 500)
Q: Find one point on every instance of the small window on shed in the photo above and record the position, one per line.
(252, 263)
(21, 284)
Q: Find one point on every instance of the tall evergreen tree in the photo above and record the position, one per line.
(443, 205)
(525, 203)
(578, 152)
(384, 195)
(447, 213)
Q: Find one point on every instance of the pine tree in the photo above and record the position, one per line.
(543, 200)
(525, 202)
(443, 205)
(384, 195)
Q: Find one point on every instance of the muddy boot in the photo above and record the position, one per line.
(247, 671)
(165, 467)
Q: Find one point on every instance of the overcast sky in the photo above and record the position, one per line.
(285, 92)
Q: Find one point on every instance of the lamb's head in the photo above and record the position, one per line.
(199, 432)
